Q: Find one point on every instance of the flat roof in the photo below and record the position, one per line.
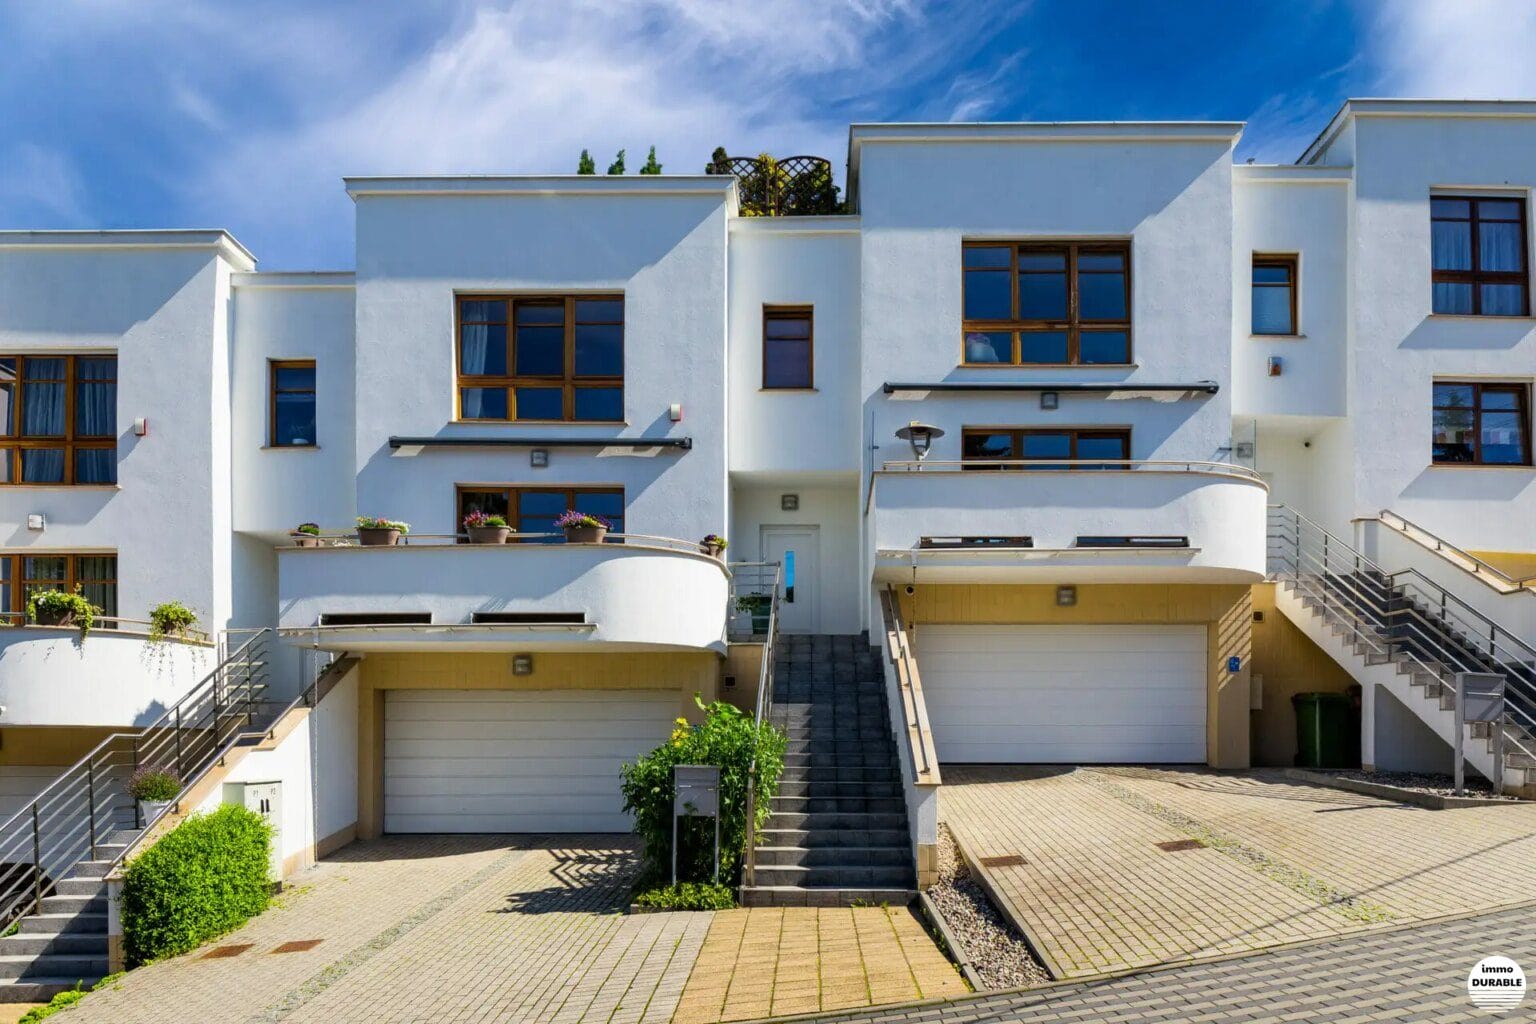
(1406, 107)
(135, 238)
(723, 185)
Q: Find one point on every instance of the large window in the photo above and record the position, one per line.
(535, 509)
(292, 412)
(1079, 446)
(21, 576)
(1482, 424)
(1274, 295)
(1047, 303)
(788, 348)
(541, 358)
(58, 419)
(1478, 249)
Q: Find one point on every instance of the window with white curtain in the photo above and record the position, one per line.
(58, 419)
(1478, 254)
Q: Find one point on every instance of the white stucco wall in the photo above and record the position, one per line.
(1400, 348)
(667, 254)
(155, 299)
(833, 507)
(334, 725)
(290, 763)
(795, 261)
(50, 677)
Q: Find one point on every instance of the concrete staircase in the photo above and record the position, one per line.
(838, 831)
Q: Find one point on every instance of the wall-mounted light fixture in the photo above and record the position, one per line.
(675, 412)
(789, 503)
(37, 521)
(538, 458)
(141, 427)
(920, 436)
(1050, 400)
(1276, 366)
(1066, 596)
(522, 664)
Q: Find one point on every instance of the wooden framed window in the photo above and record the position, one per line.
(1478, 250)
(1482, 424)
(789, 348)
(1274, 295)
(1046, 303)
(541, 358)
(291, 408)
(535, 509)
(1048, 445)
(22, 575)
(58, 419)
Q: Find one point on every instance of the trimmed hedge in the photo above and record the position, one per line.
(206, 877)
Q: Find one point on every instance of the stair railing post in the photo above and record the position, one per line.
(1458, 681)
(37, 859)
(90, 796)
(180, 770)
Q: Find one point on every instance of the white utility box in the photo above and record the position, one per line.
(265, 799)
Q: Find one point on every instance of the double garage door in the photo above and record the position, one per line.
(1065, 694)
(515, 761)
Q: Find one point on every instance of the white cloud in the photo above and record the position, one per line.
(41, 185)
(1456, 49)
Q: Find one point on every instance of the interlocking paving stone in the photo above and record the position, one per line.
(1417, 973)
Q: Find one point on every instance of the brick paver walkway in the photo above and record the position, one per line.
(1405, 974)
(777, 961)
(1283, 862)
(442, 929)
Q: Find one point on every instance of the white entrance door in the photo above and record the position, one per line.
(1065, 694)
(795, 548)
(515, 760)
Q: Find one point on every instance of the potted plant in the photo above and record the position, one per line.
(58, 608)
(486, 529)
(155, 789)
(712, 545)
(373, 532)
(306, 535)
(173, 619)
(581, 528)
(757, 606)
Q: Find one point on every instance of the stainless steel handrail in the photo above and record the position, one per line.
(525, 539)
(1479, 567)
(920, 746)
(1103, 465)
(761, 708)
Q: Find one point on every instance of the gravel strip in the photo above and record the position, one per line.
(1423, 782)
(999, 955)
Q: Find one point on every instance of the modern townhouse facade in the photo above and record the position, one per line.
(1107, 443)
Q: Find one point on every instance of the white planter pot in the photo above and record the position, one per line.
(149, 809)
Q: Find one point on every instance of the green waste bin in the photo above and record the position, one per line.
(1326, 736)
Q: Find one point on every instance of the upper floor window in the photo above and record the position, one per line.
(788, 347)
(21, 576)
(292, 412)
(535, 509)
(1048, 445)
(1482, 424)
(1478, 251)
(1274, 295)
(1056, 303)
(544, 357)
(58, 419)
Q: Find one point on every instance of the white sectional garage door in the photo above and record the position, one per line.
(515, 761)
(1065, 694)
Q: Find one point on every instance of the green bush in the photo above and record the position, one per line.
(173, 618)
(688, 896)
(62, 1001)
(726, 738)
(206, 877)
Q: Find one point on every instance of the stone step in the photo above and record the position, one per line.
(82, 943)
(838, 804)
(861, 876)
(90, 869)
(81, 887)
(881, 760)
(834, 838)
(53, 965)
(40, 990)
(824, 896)
(92, 904)
(834, 856)
(822, 788)
(840, 773)
(833, 821)
(63, 924)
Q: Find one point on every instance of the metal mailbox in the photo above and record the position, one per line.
(696, 794)
(1479, 698)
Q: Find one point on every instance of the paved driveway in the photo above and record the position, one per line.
(1083, 860)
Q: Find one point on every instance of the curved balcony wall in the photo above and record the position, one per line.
(1219, 509)
(50, 676)
(637, 594)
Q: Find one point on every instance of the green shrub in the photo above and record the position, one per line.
(62, 1001)
(206, 877)
(726, 738)
(687, 896)
(57, 602)
(172, 618)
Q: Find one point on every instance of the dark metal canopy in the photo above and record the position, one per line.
(683, 443)
(1201, 387)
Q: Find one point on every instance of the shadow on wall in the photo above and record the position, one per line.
(1456, 334)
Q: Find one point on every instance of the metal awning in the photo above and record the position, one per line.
(681, 443)
(1116, 389)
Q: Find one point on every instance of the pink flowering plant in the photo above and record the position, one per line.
(478, 520)
(573, 520)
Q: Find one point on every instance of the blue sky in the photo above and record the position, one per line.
(245, 114)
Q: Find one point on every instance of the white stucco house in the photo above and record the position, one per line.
(1110, 443)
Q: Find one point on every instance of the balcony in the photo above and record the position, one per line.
(1105, 521)
(428, 593)
(114, 677)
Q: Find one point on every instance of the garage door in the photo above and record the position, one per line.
(1063, 694)
(506, 761)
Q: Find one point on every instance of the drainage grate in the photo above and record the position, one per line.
(220, 952)
(1180, 845)
(1011, 860)
(297, 946)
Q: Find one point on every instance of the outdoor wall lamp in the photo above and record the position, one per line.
(920, 436)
